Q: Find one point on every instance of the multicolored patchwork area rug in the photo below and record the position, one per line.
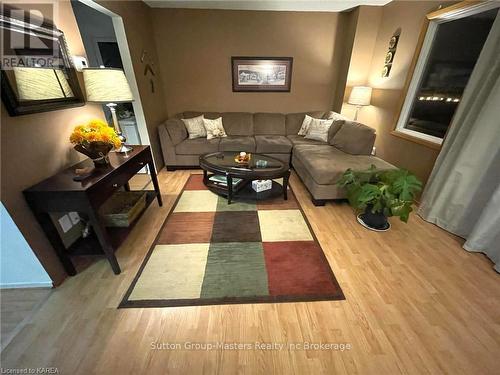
(209, 252)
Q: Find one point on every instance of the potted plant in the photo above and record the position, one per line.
(95, 139)
(378, 194)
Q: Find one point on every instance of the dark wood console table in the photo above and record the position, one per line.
(60, 193)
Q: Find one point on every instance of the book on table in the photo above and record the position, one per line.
(222, 180)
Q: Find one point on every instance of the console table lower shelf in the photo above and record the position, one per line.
(117, 235)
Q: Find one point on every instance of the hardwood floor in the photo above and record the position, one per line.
(416, 303)
(16, 308)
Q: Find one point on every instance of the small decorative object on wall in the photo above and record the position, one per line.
(394, 41)
(256, 74)
(95, 139)
(386, 70)
(148, 68)
(389, 56)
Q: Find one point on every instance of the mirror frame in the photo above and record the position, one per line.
(12, 104)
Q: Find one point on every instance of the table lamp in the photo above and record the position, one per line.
(360, 96)
(108, 86)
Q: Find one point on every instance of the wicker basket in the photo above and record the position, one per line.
(123, 208)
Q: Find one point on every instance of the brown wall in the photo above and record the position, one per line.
(366, 30)
(374, 33)
(34, 147)
(195, 49)
(136, 17)
(344, 44)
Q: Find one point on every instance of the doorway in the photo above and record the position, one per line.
(105, 42)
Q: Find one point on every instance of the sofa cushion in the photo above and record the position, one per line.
(272, 144)
(326, 164)
(237, 143)
(354, 138)
(209, 115)
(293, 121)
(269, 123)
(300, 140)
(197, 146)
(238, 123)
(176, 130)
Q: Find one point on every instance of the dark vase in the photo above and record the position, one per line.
(375, 220)
(97, 151)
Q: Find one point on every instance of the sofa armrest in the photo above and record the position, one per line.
(167, 146)
(176, 130)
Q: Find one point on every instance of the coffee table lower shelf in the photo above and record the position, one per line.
(245, 192)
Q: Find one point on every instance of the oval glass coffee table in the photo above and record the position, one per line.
(224, 176)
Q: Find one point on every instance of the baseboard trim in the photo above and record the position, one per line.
(43, 284)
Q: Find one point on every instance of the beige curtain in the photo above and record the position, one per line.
(462, 195)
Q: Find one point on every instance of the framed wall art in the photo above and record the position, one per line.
(261, 74)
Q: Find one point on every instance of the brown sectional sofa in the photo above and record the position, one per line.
(319, 164)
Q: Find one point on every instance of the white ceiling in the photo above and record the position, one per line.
(283, 5)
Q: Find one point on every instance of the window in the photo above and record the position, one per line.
(449, 52)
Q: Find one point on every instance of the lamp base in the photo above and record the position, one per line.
(358, 107)
(124, 149)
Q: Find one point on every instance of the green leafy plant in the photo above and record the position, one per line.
(390, 192)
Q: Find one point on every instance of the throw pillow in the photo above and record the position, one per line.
(354, 138)
(318, 130)
(214, 128)
(195, 127)
(305, 125)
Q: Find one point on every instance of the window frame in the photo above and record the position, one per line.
(419, 63)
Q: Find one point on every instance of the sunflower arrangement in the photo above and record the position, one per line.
(95, 139)
(95, 131)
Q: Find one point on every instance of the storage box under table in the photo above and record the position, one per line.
(262, 185)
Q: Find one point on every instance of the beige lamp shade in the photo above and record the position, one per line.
(41, 84)
(360, 95)
(106, 85)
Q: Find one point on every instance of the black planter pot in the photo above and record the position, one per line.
(375, 221)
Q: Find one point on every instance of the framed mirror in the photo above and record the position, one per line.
(37, 73)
